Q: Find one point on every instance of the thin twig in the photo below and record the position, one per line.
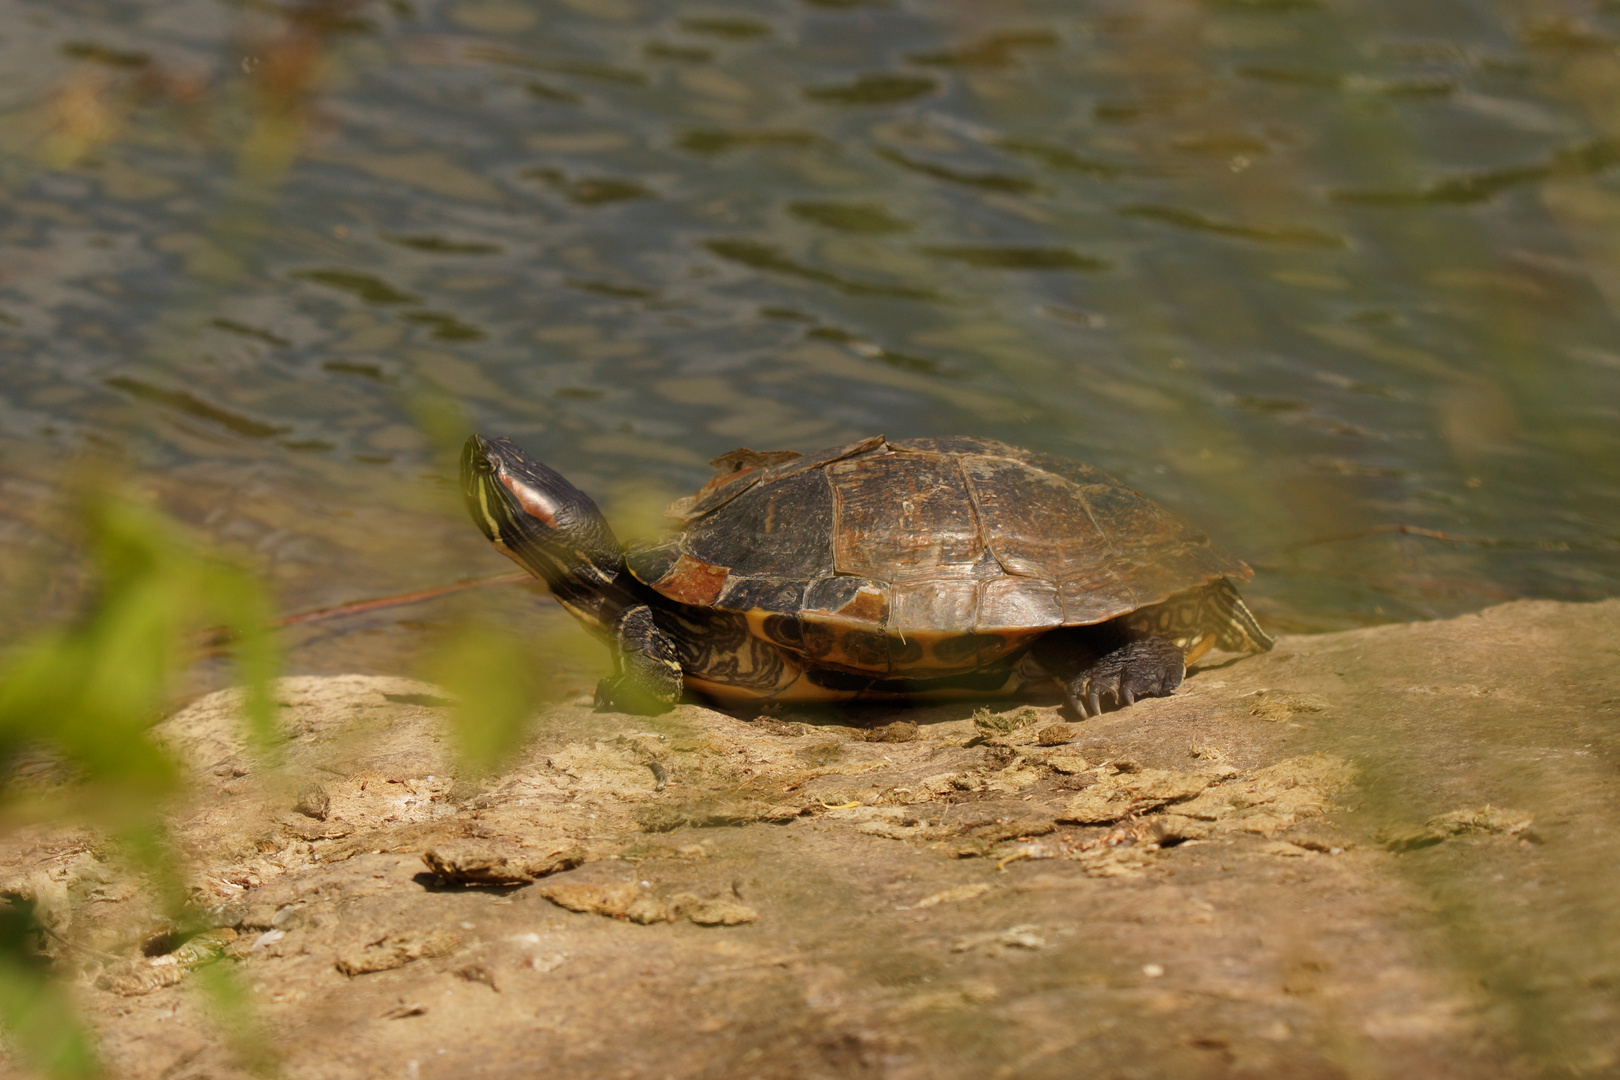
(218, 636)
(358, 607)
(1432, 534)
(81, 948)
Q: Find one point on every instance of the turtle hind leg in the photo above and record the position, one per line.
(1140, 668)
(1092, 662)
(648, 677)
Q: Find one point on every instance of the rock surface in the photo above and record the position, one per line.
(1391, 851)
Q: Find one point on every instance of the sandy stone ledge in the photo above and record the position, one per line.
(1383, 852)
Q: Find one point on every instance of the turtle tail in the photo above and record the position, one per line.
(1235, 627)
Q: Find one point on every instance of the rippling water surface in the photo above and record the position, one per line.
(1335, 279)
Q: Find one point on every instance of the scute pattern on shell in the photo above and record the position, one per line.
(959, 543)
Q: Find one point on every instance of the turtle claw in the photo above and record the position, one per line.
(1145, 667)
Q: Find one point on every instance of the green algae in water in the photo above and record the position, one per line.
(849, 217)
(877, 89)
(371, 289)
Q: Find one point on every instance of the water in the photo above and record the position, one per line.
(1335, 280)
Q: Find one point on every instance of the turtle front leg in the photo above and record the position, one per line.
(1096, 660)
(647, 675)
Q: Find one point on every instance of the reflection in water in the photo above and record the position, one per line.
(989, 181)
(847, 217)
(1263, 234)
(1587, 159)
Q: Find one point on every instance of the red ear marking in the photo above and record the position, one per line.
(534, 504)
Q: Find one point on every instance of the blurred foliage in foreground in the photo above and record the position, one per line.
(77, 704)
(78, 701)
(89, 691)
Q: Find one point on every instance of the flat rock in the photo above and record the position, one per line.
(1389, 851)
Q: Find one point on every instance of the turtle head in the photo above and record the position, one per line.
(545, 524)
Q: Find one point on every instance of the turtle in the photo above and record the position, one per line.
(925, 568)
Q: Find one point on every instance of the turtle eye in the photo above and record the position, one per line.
(476, 459)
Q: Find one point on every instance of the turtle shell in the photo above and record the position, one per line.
(921, 556)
